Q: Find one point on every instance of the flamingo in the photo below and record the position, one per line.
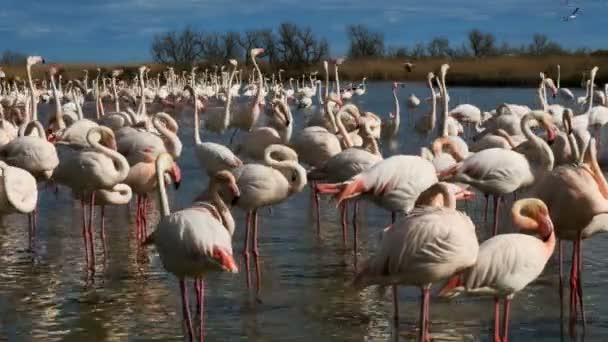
(577, 198)
(507, 263)
(254, 143)
(18, 190)
(432, 243)
(265, 185)
(361, 88)
(88, 170)
(212, 157)
(393, 183)
(498, 171)
(565, 95)
(426, 123)
(195, 241)
(390, 128)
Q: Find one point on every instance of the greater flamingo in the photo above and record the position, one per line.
(195, 241)
(432, 243)
(507, 263)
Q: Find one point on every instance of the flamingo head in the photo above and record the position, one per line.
(226, 178)
(31, 60)
(532, 213)
(256, 51)
(233, 62)
(551, 85)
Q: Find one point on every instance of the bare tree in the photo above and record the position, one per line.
(482, 44)
(12, 58)
(439, 47)
(418, 51)
(295, 45)
(364, 42)
(179, 48)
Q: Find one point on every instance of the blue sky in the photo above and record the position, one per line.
(115, 30)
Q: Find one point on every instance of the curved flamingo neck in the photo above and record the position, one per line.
(173, 142)
(161, 167)
(348, 142)
(58, 108)
(547, 157)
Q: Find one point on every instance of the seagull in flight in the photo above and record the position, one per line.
(572, 15)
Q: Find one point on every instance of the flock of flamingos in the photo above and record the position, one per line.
(108, 138)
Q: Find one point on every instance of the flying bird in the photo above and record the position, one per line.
(408, 66)
(572, 15)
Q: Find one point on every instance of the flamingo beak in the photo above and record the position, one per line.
(225, 259)
(551, 135)
(176, 173)
(546, 227)
(235, 190)
(465, 195)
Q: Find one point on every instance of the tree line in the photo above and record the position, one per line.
(290, 44)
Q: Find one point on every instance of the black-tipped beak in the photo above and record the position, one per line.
(235, 200)
(177, 184)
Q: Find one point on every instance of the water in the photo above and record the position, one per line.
(305, 292)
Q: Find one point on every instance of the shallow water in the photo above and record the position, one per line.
(305, 293)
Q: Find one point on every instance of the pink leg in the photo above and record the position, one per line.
(256, 252)
(424, 306)
(485, 216)
(496, 319)
(201, 317)
(355, 231)
(573, 288)
(505, 322)
(560, 252)
(246, 246)
(102, 232)
(137, 219)
(395, 303)
(91, 234)
(186, 309)
(85, 232)
(496, 212)
(343, 209)
(579, 279)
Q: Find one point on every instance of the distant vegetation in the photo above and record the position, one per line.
(481, 60)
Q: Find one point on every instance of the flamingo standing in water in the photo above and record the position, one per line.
(577, 198)
(87, 170)
(507, 263)
(432, 243)
(264, 185)
(195, 241)
(499, 171)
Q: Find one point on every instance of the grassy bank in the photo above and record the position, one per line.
(491, 71)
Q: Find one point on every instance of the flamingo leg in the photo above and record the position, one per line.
(496, 319)
(144, 218)
(201, 318)
(393, 217)
(316, 201)
(485, 216)
(505, 320)
(560, 258)
(580, 280)
(496, 212)
(355, 231)
(102, 232)
(246, 246)
(256, 252)
(424, 307)
(29, 231)
(91, 239)
(343, 213)
(186, 309)
(137, 219)
(573, 288)
(85, 232)
(395, 303)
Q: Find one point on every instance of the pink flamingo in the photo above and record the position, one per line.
(507, 263)
(195, 241)
(430, 244)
